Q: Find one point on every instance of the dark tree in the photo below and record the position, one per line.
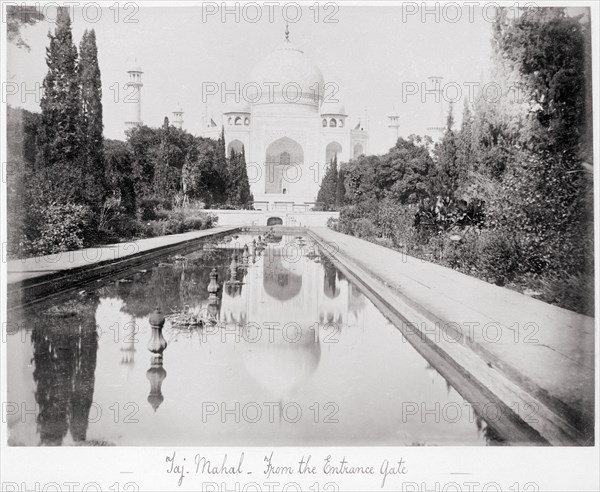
(238, 194)
(405, 172)
(447, 176)
(327, 191)
(161, 168)
(340, 190)
(144, 142)
(119, 172)
(59, 142)
(92, 139)
(464, 142)
(219, 179)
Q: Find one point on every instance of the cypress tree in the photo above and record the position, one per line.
(245, 195)
(340, 190)
(220, 179)
(221, 152)
(59, 139)
(232, 182)
(91, 116)
(464, 144)
(162, 163)
(447, 173)
(238, 186)
(327, 192)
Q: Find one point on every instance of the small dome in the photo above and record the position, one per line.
(135, 67)
(333, 108)
(241, 107)
(293, 73)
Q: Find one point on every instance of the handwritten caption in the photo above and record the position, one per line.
(330, 467)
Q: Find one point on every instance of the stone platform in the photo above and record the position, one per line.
(283, 217)
(532, 359)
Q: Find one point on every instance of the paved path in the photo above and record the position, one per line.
(42, 266)
(546, 350)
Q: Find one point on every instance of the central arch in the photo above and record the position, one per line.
(282, 154)
(274, 221)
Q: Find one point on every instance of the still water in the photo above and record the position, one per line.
(295, 355)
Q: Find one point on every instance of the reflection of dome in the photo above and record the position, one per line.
(294, 72)
(282, 365)
(279, 282)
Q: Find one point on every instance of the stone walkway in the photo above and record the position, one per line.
(546, 351)
(41, 266)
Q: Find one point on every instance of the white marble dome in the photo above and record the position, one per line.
(298, 79)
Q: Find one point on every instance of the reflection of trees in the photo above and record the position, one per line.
(330, 279)
(491, 436)
(172, 285)
(234, 290)
(135, 295)
(356, 303)
(65, 344)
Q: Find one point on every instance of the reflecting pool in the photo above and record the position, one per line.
(291, 354)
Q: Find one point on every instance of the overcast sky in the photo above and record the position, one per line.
(372, 53)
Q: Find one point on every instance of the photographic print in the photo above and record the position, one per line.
(317, 245)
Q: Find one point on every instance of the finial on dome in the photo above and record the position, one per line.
(287, 31)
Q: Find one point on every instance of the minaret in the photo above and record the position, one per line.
(178, 117)
(437, 108)
(394, 124)
(133, 96)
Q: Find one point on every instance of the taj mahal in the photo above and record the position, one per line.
(290, 130)
(289, 125)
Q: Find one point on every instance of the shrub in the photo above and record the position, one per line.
(177, 222)
(62, 228)
(199, 222)
(575, 292)
(149, 208)
(364, 228)
(127, 227)
(446, 213)
(501, 256)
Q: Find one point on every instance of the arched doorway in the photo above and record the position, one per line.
(282, 154)
(332, 149)
(273, 221)
(236, 145)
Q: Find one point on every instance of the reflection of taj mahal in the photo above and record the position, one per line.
(291, 125)
(288, 307)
